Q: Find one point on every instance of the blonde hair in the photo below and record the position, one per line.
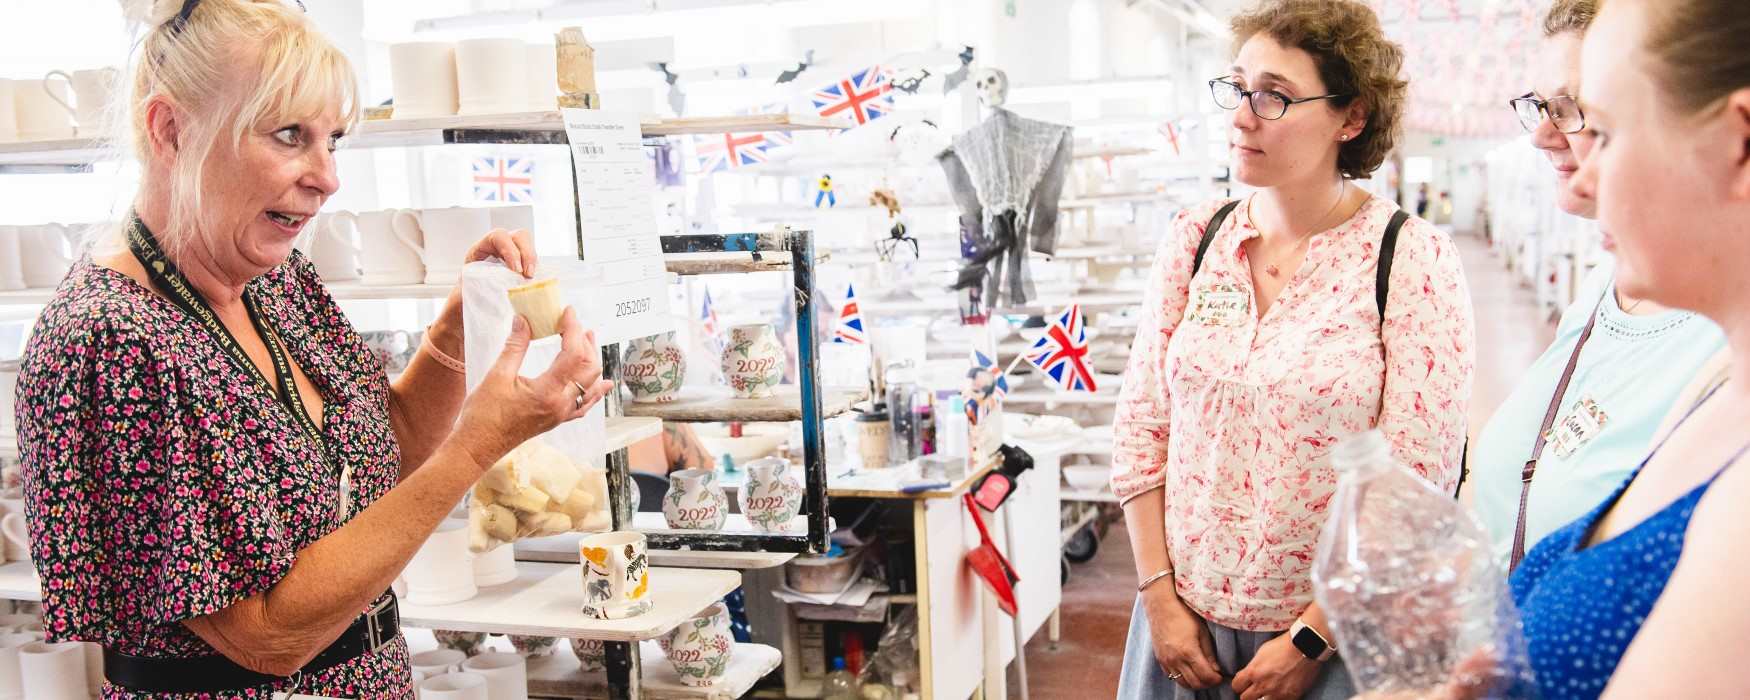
(1569, 16)
(231, 66)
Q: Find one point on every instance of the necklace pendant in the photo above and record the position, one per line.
(1272, 271)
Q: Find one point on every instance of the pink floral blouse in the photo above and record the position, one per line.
(1235, 415)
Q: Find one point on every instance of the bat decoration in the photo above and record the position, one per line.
(953, 80)
(676, 99)
(910, 83)
(789, 75)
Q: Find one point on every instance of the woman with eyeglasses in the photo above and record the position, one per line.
(1275, 325)
(1581, 418)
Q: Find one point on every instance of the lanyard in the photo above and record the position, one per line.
(171, 282)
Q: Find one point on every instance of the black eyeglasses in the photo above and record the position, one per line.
(1563, 112)
(1267, 104)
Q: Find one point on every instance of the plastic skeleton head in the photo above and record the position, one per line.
(993, 87)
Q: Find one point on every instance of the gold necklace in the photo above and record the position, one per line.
(1270, 268)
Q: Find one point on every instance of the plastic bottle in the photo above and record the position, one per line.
(1406, 577)
(840, 684)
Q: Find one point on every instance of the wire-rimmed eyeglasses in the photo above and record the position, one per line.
(1267, 104)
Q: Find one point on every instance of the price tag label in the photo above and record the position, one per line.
(616, 194)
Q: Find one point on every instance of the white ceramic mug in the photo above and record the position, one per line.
(485, 69)
(11, 677)
(495, 566)
(448, 234)
(453, 686)
(11, 257)
(392, 247)
(41, 113)
(514, 217)
(437, 662)
(616, 575)
(93, 667)
(330, 241)
(507, 675)
(53, 671)
(45, 252)
(8, 110)
(92, 91)
(424, 79)
(543, 72)
(441, 571)
(15, 538)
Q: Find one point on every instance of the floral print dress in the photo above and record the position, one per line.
(163, 482)
(1235, 415)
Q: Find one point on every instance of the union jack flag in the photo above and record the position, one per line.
(726, 151)
(504, 179)
(1062, 354)
(984, 365)
(850, 325)
(708, 325)
(866, 95)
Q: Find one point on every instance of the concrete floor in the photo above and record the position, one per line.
(1511, 333)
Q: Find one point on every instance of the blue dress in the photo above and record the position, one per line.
(1582, 606)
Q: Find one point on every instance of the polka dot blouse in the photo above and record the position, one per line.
(165, 483)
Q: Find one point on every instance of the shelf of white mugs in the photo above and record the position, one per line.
(562, 549)
(717, 404)
(18, 581)
(8, 446)
(559, 673)
(547, 599)
(717, 263)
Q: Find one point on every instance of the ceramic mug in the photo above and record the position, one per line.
(40, 111)
(482, 69)
(53, 671)
(11, 676)
(92, 91)
(432, 574)
(616, 575)
(11, 254)
(392, 247)
(772, 496)
(8, 396)
(423, 74)
(14, 527)
(654, 368)
(543, 73)
(469, 643)
(592, 654)
(753, 362)
(699, 649)
(695, 501)
(448, 234)
(507, 675)
(437, 662)
(495, 566)
(330, 241)
(454, 686)
(45, 252)
(8, 110)
(532, 645)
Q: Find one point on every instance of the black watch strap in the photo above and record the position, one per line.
(1311, 644)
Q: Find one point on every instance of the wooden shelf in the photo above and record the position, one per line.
(716, 404)
(1052, 396)
(740, 124)
(624, 431)
(562, 549)
(560, 675)
(354, 291)
(546, 600)
(52, 152)
(716, 263)
(27, 297)
(1068, 494)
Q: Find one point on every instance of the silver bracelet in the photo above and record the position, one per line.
(1150, 581)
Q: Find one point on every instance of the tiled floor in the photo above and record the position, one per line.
(1511, 332)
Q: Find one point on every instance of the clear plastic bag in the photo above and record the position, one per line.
(1405, 575)
(555, 482)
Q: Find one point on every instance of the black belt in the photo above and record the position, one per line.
(211, 674)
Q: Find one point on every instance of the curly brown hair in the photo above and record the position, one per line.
(1354, 58)
(1569, 16)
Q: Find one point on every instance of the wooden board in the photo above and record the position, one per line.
(52, 152)
(350, 291)
(716, 404)
(719, 263)
(623, 432)
(745, 123)
(563, 548)
(545, 600)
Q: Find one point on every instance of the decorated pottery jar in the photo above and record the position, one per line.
(772, 496)
(531, 646)
(753, 363)
(591, 654)
(700, 648)
(695, 501)
(653, 368)
(469, 643)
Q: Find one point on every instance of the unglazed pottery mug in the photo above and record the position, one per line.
(92, 91)
(695, 501)
(446, 236)
(753, 362)
(772, 496)
(654, 368)
(495, 566)
(616, 575)
(331, 244)
(8, 110)
(14, 527)
(53, 671)
(424, 79)
(437, 662)
(699, 649)
(392, 247)
(454, 686)
(41, 111)
(491, 76)
(507, 675)
(11, 677)
(11, 258)
(45, 252)
(543, 72)
(440, 573)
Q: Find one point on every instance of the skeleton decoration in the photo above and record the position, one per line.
(1005, 175)
(909, 82)
(790, 75)
(954, 79)
(993, 87)
(677, 100)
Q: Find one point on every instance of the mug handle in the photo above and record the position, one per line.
(51, 93)
(406, 234)
(16, 530)
(65, 234)
(352, 221)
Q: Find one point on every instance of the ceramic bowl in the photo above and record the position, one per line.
(1088, 477)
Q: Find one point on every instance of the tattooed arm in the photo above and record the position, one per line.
(682, 449)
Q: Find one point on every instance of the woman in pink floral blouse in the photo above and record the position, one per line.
(1247, 369)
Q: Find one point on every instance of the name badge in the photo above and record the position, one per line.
(1582, 424)
(1220, 305)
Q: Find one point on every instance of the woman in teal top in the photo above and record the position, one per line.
(1637, 358)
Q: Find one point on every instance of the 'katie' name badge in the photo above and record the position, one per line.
(1582, 424)
(1220, 305)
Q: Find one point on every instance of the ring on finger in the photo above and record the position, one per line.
(581, 392)
(1175, 676)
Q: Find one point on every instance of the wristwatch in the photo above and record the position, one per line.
(1310, 643)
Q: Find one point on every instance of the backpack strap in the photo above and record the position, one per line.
(1387, 246)
(1215, 223)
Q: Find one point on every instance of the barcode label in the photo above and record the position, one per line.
(589, 149)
